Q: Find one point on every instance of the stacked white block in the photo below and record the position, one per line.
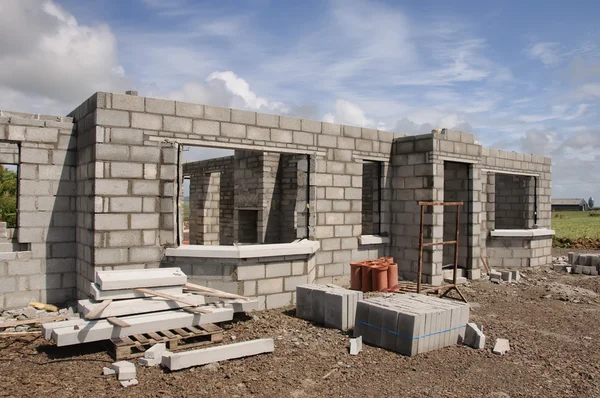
(332, 306)
(411, 324)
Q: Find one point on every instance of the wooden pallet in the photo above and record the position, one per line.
(176, 339)
(411, 287)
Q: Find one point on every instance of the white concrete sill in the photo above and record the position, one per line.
(306, 247)
(373, 240)
(521, 233)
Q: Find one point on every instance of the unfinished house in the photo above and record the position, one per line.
(294, 202)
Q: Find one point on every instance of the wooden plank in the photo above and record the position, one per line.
(12, 324)
(118, 322)
(130, 279)
(98, 309)
(168, 334)
(197, 310)
(155, 336)
(21, 334)
(181, 332)
(167, 296)
(142, 339)
(207, 291)
(210, 327)
(195, 330)
(137, 306)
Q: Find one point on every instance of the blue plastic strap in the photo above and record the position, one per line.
(405, 336)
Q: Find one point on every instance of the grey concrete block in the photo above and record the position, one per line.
(501, 347)
(165, 107)
(355, 345)
(422, 323)
(474, 336)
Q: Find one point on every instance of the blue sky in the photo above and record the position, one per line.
(522, 75)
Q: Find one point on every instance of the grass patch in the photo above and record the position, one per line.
(576, 224)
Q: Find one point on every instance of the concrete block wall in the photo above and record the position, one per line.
(412, 180)
(461, 150)
(44, 148)
(514, 201)
(197, 172)
(272, 280)
(335, 153)
(519, 252)
(495, 160)
(9, 153)
(125, 174)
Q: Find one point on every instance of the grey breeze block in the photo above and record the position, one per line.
(334, 307)
(411, 324)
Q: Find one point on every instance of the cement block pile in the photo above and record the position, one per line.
(129, 302)
(333, 307)
(411, 324)
(587, 264)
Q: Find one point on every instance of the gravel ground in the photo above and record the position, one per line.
(551, 320)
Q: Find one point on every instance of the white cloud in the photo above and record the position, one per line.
(546, 52)
(451, 121)
(347, 112)
(589, 90)
(51, 63)
(559, 112)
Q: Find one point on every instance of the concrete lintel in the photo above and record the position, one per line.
(521, 233)
(245, 251)
(373, 240)
(226, 145)
(518, 173)
(458, 160)
(371, 158)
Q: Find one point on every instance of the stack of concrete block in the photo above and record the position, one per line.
(334, 307)
(587, 264)
(140, 301)
(411, 324)
(506, 276)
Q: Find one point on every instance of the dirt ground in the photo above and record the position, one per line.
(551, 319)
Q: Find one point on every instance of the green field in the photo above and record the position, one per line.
(575, 224)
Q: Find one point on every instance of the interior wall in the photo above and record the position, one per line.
(456, 189)
(370, 198)
(514, 201)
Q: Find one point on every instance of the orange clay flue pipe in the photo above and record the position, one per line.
(379, 275)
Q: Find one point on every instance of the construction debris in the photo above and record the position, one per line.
(141, 305)
(411, 324)
(474, 336)
(355, 345)
(332, 306)
(586, 264)
(125, 370)
(129, 383)
(501, 347)
(176, 361)
(108, 371)
(42, 306)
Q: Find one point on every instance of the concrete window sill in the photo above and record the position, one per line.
(306, 247)
(373, 240)
(521, 233)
